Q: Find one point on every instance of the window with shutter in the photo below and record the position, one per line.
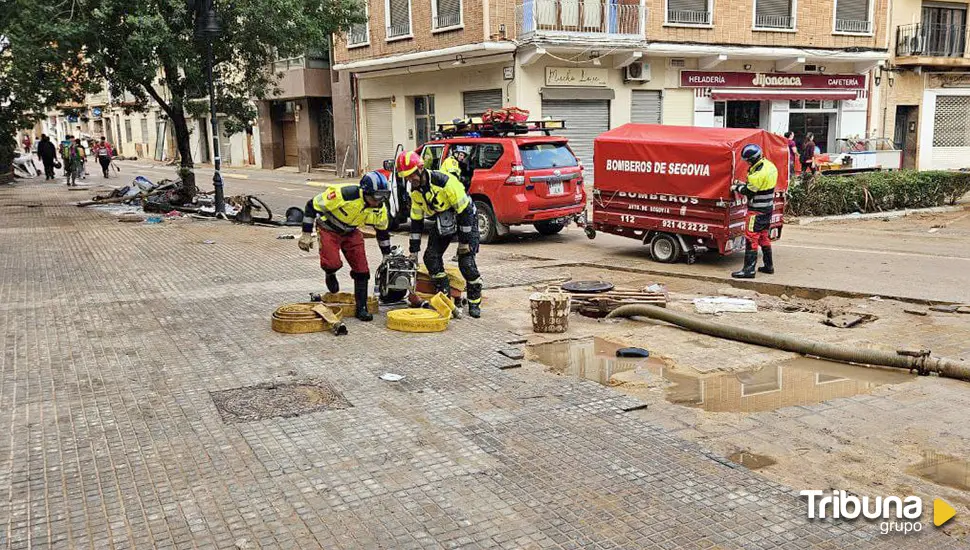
(398, 18)
(447, 13)
(359, 34)
(774, 14)
(852, 16)
(689, 12)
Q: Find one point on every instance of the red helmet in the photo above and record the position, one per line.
(407, 163)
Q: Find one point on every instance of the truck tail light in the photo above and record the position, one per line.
(517, 177)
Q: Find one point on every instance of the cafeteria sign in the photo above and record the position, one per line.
(701, 79)
(572, 76)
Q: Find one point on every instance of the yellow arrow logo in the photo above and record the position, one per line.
(942, 512)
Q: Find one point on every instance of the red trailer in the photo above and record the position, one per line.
(670, 187)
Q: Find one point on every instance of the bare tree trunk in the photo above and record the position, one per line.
(182, 141)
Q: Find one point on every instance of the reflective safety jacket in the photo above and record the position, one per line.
(342, 210)
(760, 189)
(444, 193)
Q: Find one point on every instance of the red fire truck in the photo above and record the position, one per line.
(670, 187)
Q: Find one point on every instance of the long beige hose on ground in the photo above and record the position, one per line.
(923, 363)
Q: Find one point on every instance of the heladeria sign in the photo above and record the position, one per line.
(702, 79)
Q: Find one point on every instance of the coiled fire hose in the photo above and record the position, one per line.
(918, 361)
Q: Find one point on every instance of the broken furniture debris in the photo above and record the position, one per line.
(599, 304)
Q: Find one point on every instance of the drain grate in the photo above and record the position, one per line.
(270, 400)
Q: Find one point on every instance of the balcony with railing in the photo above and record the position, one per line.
(447, 20)
(303, 76)
(774, 22)
(582, 20)
(399, 30)
(853, 26)
(688, 17)
(926, 44)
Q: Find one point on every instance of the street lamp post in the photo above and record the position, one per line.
(212, 31)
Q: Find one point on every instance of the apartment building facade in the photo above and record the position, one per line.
(774, 64)
(925, 88)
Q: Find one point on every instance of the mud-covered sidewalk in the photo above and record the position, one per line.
(147, 403)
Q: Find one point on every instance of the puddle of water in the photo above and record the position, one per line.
(798, 381)
(751, 461)
(943, 470)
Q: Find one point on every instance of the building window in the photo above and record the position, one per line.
(424, 124)
(445, 14)
(144, 130)
(128, 130)
(359, 34)
(774, 14)
(852, 16)
(688, 12)
(398, 18)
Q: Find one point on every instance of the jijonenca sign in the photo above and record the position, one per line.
(569, 76)
(701, 79)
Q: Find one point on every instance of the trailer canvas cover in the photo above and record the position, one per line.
(681, 160)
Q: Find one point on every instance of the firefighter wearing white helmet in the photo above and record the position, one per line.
(760, 192)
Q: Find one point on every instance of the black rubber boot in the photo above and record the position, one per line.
(475, 300)
(333, 286)
(443, 285)
(360, 296)
(750, 261)
(769, 266)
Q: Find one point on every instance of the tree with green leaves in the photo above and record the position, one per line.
(42, 65)
(151, 49)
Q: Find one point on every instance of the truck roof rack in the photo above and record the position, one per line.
(476, 127)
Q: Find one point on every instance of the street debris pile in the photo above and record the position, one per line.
(598, 298)
(170, 196)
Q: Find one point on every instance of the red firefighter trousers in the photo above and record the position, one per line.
(352, 245)
(756, 230)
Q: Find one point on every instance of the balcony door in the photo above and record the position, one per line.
(570, 15)
(944, 30)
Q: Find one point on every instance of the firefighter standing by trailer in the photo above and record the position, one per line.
(760, 191)
(441, 198)
(338, 213)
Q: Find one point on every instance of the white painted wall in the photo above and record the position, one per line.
(680, 108)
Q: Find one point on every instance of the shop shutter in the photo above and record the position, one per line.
(380, 142)
(585, 119)
(851, 10)
(476, 103)
(646, 107)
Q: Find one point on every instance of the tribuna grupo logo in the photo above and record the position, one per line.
(897, 514)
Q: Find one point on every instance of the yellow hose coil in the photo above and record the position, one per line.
(416, 320)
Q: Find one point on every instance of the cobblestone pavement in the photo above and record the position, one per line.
(116, 334)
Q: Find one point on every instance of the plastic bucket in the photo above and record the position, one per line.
(550, 311)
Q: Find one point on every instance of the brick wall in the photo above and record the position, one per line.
(734, 19)
(424, 39)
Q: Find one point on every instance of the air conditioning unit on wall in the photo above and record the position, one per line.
(637, 72)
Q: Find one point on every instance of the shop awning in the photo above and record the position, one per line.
(722, 94)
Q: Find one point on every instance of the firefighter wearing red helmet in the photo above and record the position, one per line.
(440, 197)
(338, 213)
(760, 191)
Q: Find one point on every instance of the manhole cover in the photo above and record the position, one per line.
(587, 286)
(270, 399)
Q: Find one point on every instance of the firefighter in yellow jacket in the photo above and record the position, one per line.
(760, 191)
(338, 213)
(441, 198)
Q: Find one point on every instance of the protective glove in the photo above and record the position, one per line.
(737, 187)
(306, 242)
(464, 248)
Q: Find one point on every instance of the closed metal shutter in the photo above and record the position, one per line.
(585, 119)
(646, 107)
(380, 142)
(478, 102)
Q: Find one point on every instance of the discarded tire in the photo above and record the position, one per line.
(416, 320)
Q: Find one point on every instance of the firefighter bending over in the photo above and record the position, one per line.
(760, 191)
(441, 198)
(338, 213)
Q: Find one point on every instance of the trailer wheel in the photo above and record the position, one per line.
(665, 248)
(590, 233)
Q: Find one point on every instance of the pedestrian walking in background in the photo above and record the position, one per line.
(808, 154)
(64, 150)
(47, 154)
(104, 153)
(27, 143)
(792, 152)
(82, 155)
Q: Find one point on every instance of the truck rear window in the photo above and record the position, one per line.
(540, 156)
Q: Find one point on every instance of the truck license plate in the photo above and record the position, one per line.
(556, 188)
